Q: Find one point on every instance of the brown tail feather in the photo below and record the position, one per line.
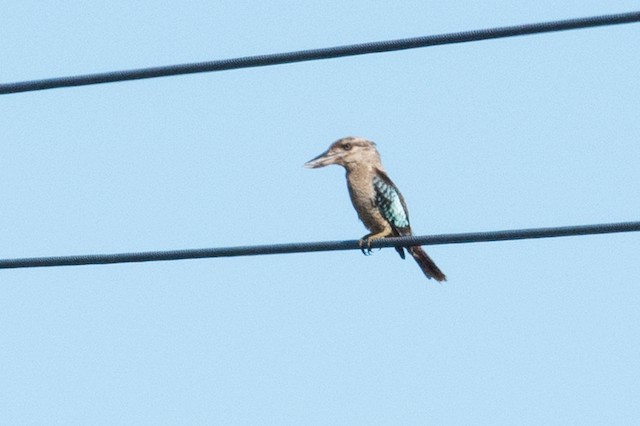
(426, 264)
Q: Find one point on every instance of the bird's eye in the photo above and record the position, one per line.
(346, 146)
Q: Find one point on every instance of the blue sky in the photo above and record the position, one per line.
(513, 133)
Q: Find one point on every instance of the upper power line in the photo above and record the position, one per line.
(472, 237)
(324, 53)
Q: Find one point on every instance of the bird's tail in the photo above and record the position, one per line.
(427, 265)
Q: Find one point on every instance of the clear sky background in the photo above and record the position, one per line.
(513, 133)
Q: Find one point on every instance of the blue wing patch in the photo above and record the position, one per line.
(390, 203)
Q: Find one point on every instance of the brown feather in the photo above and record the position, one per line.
(427, 265)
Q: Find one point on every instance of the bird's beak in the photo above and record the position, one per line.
(321, 160)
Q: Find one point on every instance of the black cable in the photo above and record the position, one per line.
(473, 237)
(325, 53)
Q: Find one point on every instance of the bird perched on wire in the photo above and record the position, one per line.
(375, 197)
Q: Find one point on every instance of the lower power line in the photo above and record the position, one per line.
(305, 247)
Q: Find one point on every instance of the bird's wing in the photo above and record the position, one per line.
(390, 203)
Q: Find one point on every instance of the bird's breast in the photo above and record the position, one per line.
(362, 195)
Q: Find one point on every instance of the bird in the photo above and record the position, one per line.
(376, 199)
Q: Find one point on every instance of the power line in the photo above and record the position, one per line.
(306, 247)
(323, 53)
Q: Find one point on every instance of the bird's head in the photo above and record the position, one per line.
(347, 152)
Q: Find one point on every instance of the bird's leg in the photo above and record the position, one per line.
(366, 240)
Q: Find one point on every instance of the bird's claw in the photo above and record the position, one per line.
(365, 250)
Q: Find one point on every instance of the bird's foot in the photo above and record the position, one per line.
(365, 246)
(365, 243)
